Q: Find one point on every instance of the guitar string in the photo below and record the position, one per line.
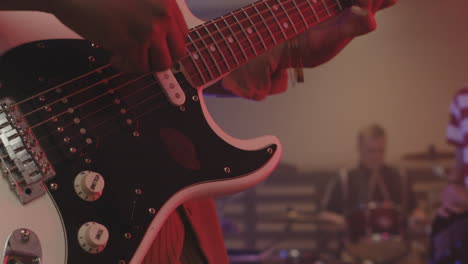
(203, 48)
(148, 99)
(103, 81)
(107, 66)
(93, 99)
(59, 86)
(78, 92)
(287, 17)
(91, 114)
(136, 118)
(90, 100)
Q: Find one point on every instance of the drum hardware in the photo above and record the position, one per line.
(431, 155)
(376, 234)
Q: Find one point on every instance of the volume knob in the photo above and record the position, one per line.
(93, 237)
(89, 185)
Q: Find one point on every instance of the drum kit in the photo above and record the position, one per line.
(377, 233)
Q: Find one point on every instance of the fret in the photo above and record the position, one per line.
(266, 25)
(197, 67)
(243, 31)
(326, 7)
(313, 11)
(300, 13)
(255, 28)
(218, 48)
(277, 21)
(200, 56)
(222, 39)
(237, 40)
(209, 50)
(227, 43)
(287, 15)
(339, 4)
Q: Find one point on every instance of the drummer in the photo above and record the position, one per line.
(371, 181)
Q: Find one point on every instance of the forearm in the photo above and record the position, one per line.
(456, 175)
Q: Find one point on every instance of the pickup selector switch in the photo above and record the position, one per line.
(89, 185)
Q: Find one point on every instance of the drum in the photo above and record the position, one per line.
(376, 234)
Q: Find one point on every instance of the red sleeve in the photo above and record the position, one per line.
(203, 216)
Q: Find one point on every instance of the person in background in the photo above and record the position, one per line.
(373, 180)
(371, 184)
(454, 198)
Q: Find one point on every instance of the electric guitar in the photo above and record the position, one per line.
(94, 160)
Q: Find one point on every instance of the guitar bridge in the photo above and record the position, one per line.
(22, 161)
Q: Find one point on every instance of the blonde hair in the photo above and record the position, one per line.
(371, 132)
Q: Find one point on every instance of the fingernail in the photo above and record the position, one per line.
(357, 10)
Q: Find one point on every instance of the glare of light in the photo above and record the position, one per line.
(294, 253)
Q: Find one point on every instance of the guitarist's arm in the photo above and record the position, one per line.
(454, 198)
(316, 46)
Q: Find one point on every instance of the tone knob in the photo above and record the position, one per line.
(89, 185)
(93, 237)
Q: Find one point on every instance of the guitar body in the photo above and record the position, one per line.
(109, 131)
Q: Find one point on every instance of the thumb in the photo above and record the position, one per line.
(357, 21)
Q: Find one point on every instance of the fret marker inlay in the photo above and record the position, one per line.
(222, 45)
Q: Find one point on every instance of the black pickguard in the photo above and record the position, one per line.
(150, 146)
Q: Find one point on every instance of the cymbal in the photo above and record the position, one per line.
(294, 216)
(290, 216)
(431, 155)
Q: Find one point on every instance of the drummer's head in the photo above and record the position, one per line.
(372, 142)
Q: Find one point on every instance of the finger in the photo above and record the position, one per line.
(159, 56)
(176, 39)
(159, 53)
(119, 63)
(158, 8)
(139, 59)
(357, 21)
(178, 17)
(134, 59)
(176, 43)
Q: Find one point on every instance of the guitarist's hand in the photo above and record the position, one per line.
(323, 42)
(454, 199)
(264, 75)
(144, 35)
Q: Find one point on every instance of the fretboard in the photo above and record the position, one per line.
(220, 46)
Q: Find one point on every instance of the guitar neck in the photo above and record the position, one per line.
(218, 47)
